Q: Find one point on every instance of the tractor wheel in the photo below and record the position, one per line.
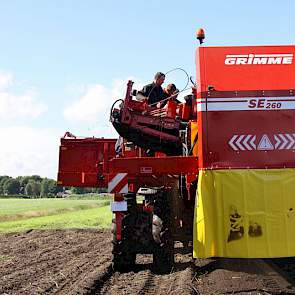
(163, 256)
(123, 257)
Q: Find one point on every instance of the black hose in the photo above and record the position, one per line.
(112, 107)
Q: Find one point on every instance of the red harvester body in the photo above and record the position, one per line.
(239, 117)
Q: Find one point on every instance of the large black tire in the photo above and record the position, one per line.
(123, 257)
(163, 255)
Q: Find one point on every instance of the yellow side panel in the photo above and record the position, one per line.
(193, 139)
(245, 213)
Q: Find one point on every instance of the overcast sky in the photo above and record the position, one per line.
(63, 63)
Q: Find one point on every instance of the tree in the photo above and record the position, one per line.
(2, 181)
(33, 188)
(36, 188)
(11, 187)
(78, 190)
(36, 178)
(45, 187)
(29, 189)
(23, 180)
(49, 188)
(54, 188)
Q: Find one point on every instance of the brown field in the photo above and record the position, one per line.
(79, 262)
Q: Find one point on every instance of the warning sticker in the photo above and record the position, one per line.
(265, 144)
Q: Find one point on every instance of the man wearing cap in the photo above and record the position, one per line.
(153, 92)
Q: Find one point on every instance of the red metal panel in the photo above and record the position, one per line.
(247, 119)
(254, 139)
(147, 166)
(82, 161)
(275, 69)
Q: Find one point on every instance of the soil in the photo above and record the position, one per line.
(79, 262)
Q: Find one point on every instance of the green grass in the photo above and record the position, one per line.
(12, 209)
(21, 215)
(5, 257)
(89, 218)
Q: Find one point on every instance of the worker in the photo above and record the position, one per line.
(171, 93)
(153, 92)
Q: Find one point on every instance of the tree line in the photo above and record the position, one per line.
(37, 187)
(31, 186)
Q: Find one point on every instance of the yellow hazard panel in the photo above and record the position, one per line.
(194, 137)
(245, 213)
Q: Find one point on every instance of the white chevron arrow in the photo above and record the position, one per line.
(293, 136)
(252, 142)
(292, 141)
(285, 141)
(231, 142)
(278, 142)
(245, 143)
(238, 142)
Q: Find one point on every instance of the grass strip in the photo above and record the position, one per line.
(5, 258)
(19, 206)
(52, 211)
(89, 218)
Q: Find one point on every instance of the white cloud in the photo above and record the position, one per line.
(86, 109)
(13, 106)
(5, 80)
(93, 107)
(28, 151)
(75, 89)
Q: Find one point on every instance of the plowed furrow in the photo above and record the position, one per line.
(146, 280)
(66, 262)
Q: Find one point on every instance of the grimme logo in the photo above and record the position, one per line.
(259, 59)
